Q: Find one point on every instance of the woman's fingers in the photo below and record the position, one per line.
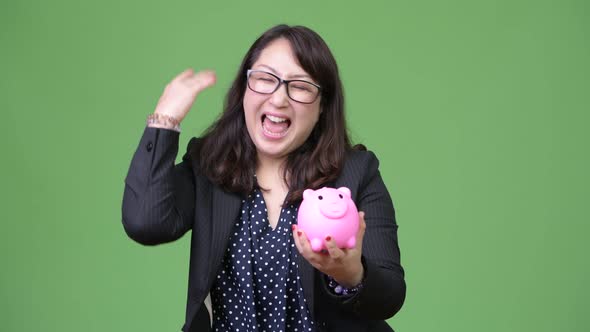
(304, 246)
(296, 239)
(180, 94)
(317, 260)
(184, 75)
(335, 252)
(342, 264)
(201, 80)
(302, 243)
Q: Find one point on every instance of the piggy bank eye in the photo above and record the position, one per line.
(320, 198)
(340, 195)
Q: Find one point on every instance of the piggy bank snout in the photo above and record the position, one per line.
(334, 210)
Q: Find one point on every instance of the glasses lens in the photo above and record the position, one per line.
(303, 91)
(262, 82)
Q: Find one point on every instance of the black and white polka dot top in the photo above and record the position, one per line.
(257, 287)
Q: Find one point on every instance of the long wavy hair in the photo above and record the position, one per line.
(226, 153)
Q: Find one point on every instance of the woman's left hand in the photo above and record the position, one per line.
(344, 265)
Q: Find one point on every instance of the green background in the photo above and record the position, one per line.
(477, 110)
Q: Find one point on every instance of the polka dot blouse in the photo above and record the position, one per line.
(257, 287)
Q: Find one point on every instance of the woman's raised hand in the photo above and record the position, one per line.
(180, 94)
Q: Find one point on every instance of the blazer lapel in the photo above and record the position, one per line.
(225, 210)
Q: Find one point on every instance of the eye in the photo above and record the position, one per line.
(302, 87)
(340, 195)
(320, 197)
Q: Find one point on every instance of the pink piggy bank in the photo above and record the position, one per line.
(328, 211)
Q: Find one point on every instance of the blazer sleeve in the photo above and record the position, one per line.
(384, 287)
(158, 200)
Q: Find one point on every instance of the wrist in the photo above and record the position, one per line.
(340, 289)
(352, 277)
(158, 120)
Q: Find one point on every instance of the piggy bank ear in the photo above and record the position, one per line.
(307, 193)
(345, 190)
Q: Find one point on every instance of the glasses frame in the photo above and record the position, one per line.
(281, 82)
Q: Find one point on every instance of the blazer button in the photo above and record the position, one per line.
(149, 146)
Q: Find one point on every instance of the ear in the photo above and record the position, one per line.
(307, 193)
(345, 191)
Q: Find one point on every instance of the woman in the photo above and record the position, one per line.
(238, 188)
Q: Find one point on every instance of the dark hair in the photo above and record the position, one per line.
(226, 153)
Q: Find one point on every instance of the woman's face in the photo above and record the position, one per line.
(277, 124)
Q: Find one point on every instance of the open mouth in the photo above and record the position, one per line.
(275, 126)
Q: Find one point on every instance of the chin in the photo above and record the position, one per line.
(272, 153)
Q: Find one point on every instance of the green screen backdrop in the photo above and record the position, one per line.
(477, 110)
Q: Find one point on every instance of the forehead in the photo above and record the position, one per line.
(278, 57)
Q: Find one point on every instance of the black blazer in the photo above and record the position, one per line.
(162, 201)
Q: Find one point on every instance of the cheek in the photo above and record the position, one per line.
(246, 102)
(250, 107)
(310, 119)
(252, 103)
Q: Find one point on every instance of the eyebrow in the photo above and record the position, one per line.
(293, 76)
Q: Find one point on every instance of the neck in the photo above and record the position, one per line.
(270, 171)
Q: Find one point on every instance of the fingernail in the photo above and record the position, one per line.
(328, 238)
(298, 233)
(293, 227)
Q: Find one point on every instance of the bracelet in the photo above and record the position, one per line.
(169, 122)
(341, 290)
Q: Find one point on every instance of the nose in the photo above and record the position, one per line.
(280, 98)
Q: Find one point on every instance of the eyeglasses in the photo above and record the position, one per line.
(298, 90)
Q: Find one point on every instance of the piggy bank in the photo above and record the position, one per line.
(328, 211)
